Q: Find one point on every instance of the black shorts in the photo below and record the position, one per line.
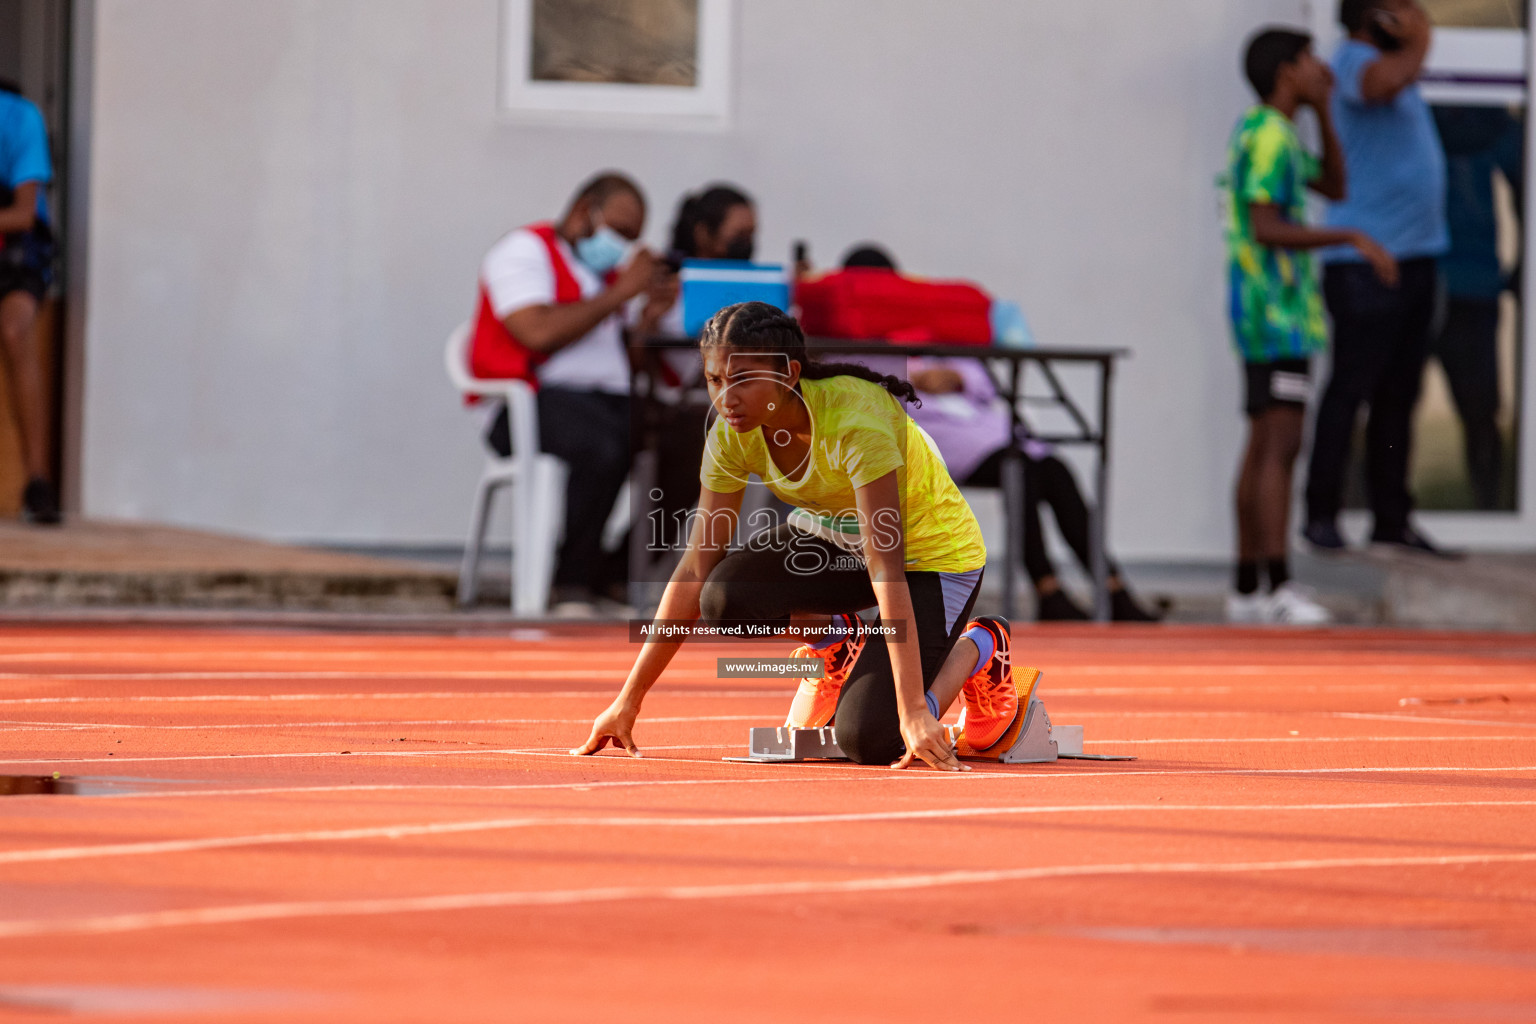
(784, 571)
(1282, 382)
(26, 261)
(22, 279)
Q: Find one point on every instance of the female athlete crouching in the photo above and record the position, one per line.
(878, 521)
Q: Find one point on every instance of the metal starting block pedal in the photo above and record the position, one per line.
(775, 744)
(1034, 741)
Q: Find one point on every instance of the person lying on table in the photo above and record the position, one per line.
(970, 423)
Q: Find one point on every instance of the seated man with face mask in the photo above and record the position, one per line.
(552, 297)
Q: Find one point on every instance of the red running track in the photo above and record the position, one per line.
(1333, 826)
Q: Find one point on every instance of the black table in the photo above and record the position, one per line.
(1008, 368)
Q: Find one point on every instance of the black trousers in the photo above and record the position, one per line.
(679, 444)
(784, 571)
(1467, 347)
(1047, 481)
(589, 431)
(1380, 341)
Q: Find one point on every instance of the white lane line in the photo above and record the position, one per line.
(1527, 738)
(636, 821)
(1246, 690)
(624, 659)
(702, 675)
(604, 675)
(430, 752)
(1180, 713)
(1435, 720)
(562, 752)
(433, 752)
(425, 787)
(288, 756)
(561, 652)
(1383, 716)
(379, 723)
(235, 914)
(513, 652)
(274, 698)
(805, 773)
(1288, 669)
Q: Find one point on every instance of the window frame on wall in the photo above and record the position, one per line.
(704, 106)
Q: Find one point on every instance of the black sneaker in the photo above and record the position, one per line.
(1324, 535)
(39, 503)
(1058, 607)
(1123, 608)
(1409, 539)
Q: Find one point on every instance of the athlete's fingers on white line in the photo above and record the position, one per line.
(941, 761)
(903, 762)
(944, 757)
(594, 743)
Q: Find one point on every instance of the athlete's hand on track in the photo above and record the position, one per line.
(926, 739)
(616, 726)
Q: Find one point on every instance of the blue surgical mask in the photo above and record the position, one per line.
(602, 250)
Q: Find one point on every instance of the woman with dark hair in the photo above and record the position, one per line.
(716, 223)
(719, 223)
(878, 521)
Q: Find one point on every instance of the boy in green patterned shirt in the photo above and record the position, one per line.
(1276, 310)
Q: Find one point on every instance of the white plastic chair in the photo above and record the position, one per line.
(537, 480)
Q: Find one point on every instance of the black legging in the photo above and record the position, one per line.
(1046, 480)
(589, 432)
(786, 572)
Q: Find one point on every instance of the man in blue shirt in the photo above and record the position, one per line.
(1396, 173)
(26, 271)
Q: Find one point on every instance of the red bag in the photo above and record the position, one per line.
(880, 305)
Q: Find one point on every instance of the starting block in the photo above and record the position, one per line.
(1035, 741)
(786, 744)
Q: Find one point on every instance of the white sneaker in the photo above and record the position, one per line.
(1247, 609)
(574, 610)
(1293, 606)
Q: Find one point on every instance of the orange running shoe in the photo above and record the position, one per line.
(995, 697)
(816, 701)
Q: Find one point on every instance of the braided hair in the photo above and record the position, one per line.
(760, 328)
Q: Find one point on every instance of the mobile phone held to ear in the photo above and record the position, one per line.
(1385, 29)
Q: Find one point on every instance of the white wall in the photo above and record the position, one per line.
(290, 199)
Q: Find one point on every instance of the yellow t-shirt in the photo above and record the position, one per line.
(860, 432)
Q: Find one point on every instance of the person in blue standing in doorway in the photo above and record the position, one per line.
(1481, 144)
(26, 274)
